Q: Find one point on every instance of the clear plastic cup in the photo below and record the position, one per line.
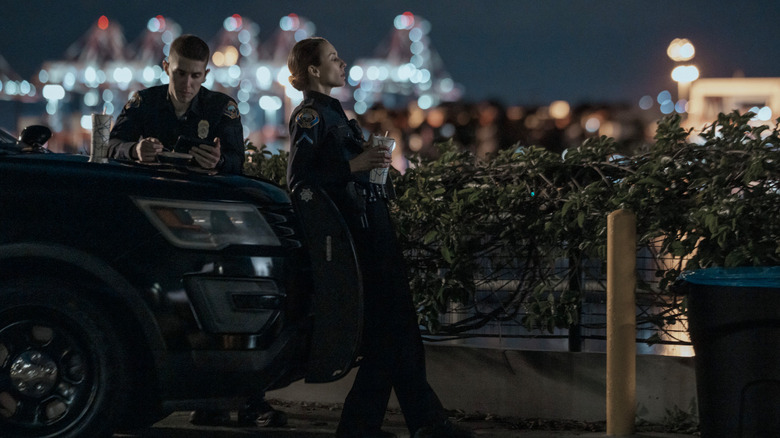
(379, 174)
(101, 128)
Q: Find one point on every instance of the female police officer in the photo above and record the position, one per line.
(327, 150)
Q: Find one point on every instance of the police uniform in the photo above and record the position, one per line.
(323, 141)
(150, 113)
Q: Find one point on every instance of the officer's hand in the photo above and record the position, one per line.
(207, 156)
(147, 149)
(371, 158)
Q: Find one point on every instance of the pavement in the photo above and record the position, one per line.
(320, 420)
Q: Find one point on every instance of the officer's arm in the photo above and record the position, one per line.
(308, 162)
(231, 138)
(126, 131)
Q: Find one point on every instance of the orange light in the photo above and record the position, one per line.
(103, 22)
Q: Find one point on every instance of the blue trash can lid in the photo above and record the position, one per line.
(749, 276)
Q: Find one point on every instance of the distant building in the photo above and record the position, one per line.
(711, 96)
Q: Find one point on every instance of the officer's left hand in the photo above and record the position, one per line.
(207, 156)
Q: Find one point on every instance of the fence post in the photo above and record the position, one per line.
(621, 323)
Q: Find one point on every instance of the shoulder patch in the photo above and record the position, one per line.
(134, 101)
(231, 109)
(307, 118)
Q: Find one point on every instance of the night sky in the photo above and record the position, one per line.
(515, 51)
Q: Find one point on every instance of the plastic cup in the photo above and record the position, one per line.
(379, 174)
(98, 147)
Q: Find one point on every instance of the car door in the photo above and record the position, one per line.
(338, 289)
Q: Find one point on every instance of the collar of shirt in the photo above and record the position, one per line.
(194, 107)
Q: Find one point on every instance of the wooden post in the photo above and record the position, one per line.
(621, 323)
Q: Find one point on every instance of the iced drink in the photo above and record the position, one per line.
(379, 174)
(98, 148)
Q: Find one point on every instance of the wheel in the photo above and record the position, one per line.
(61, 365)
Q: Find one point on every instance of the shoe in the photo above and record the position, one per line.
(261, 416)
(444, 430)
(210, 418)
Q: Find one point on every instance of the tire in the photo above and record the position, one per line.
(62, 369)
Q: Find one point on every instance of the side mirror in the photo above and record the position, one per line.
(34, 137)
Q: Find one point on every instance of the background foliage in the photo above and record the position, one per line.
(520, 235)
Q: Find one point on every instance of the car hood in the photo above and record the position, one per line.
(70, 172)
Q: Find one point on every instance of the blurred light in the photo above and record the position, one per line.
(108, 108)
(148, 74)
(270, 103)
(360, 107)
(244, 36)
(232, 23)
(243, 108)
(415, 34)
(234, 72)
(51, 108)
(664, 96)
(681, 106)
(685, 73)
(592, 124)
(43, 76)
(301, 34)
(264, 77)
(289, 22)
(404, 21)
(560, 109)
(356, 73)
(372, 73)
(90, 74)
(446, 85)
(24, 87)
(242, 95)
(680, 49)
(415, 142)
(447, 130)
(103, 22)
(167, 38)
(123, 75)
(765, 114)
(512, 113)
(51, 92)
(425, 101)
(108, 95)
(283, 77)
(667, 107)
(218, 58)
(69, 80)
(417, 47)
(91, 98)
(646, 102)
(156, 24)
(86, 122)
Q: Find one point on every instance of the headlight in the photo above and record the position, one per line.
(208, 225)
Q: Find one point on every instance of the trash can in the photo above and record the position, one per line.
(734, 323)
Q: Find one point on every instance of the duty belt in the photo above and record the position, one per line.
(376, 192)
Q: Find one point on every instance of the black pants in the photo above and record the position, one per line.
(392, 350)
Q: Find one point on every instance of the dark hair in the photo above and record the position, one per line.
(190, 47)
(304, 53)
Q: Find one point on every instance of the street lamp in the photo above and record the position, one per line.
(681, 50)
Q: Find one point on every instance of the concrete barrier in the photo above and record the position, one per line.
(531, 384)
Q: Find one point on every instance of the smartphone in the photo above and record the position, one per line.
(184, 143)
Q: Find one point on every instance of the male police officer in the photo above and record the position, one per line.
(154, 118)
